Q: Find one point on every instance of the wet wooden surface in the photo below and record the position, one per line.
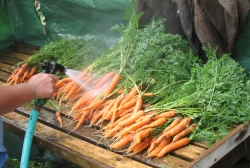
(85, 147)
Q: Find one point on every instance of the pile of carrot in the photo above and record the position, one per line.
(99, 99)
(96, 100)
(21, 74)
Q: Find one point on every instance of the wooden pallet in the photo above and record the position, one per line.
(85, 148)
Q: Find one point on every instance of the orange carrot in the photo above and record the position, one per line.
(172, 125)
(26, 73)
(178, 128)
(59, 118)
(22, 69)
(112, 132)
(131, 119)
(127, 105)
(185, 132)
(124, 141)
(133, 92)
(112, 85)
(82, 101)
(138, 104)
(120, 91)
(159, 147)
(135, 126)
(152, 145)
(139, 136)
(112, 125)
(82, 119)
(155, 123)
(72, 91)
(167, 114)
(94, 105)
(141, 146)
(104, 80)
(63, 81)
(32, 72)
(173, 146)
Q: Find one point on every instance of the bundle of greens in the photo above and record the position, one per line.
(72, 51)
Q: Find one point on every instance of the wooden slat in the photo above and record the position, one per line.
(62, 144)
(22, 49)
(9, 60)
(6, 67)
(14, 54)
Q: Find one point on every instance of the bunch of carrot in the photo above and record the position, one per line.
(21, 74)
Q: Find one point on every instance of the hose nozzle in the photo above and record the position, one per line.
(53, 67)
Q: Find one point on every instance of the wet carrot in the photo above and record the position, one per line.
(133, 92)
(141, 146)
(173, 146)
(112, 85)
(139, 136)
(106, 79)
(178, 128)
(167, 114)
(155, 123)
(131, 119)
(122, 142)
(159, 147)
(32, 71)
(138, 104)
(59, 118)
(185, 132)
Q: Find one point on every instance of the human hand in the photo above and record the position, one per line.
(44, 85)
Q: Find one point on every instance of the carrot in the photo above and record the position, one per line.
(113, 84)
(135, 126)
(127, 105)
(18, 79)
(159, 147)
(185, 132)
(173, 146)
(62, 82)
(26, 73)
(140, 147)
(94, 105)
(121, 113)
(108, 110)
(131, 119)
(32, 72)
(82, 119)
(82, 101)
(120, 91)
(178, 128)
(172, 125)
(112, 132)
(124, 141)
(114, 110)
(72, 91)
(152, 145)
(139, 136)
(22, 69)
(138, 104)
(133, 92)
(59, 118)
(104, 80)
(112, 125)
(155, 123)
(167, 114)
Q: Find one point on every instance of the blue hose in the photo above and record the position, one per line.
(28, 138)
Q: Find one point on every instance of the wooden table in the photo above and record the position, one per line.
(85, 148)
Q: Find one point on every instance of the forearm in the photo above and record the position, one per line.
(15, 96)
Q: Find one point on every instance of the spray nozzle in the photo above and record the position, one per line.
(53, 67)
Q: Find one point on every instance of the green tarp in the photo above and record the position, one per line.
(20, 21)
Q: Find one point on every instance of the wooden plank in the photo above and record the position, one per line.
(14, 54)
(236, 144)
(62, 144)
(93, 136)
(9, 60)
(22, 49)
(28, 46)
(3, 76)
(6, 68)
